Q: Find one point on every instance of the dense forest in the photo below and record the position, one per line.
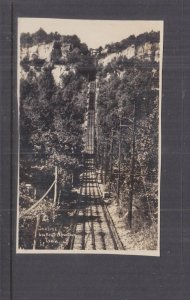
(29, 40)
(51, 118)
(136, 41)
(127, 118)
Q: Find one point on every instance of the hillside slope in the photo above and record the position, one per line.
(55, 73)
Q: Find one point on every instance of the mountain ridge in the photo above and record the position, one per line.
(63, 54)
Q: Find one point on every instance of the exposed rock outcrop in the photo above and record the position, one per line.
(147, 51)
(56, 53)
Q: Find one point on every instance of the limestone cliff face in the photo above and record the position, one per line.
(41, 51)
(48, 52)
(44, 52)
(146, 51)
(58, 71)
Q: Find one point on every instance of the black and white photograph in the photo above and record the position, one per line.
(89, 102)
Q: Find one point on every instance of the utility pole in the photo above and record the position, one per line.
(36, 231)
(119, 161)
(97, 151)
(55, 187)
(104, 164)
(111, 160)
(111, 154)
(106, 160)
(130, 214)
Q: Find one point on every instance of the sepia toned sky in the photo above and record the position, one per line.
(94, 33)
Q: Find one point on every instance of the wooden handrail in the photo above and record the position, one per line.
(38, 202)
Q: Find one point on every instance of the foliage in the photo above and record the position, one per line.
(29, 40)
(39, 37)
(130, 95)
(52, 117)
(51, 123)
(151, 37)
(56, 53)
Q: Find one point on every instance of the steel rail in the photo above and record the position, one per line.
(113, 231)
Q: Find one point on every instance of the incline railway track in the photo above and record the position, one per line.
(87, 224)
(93, 228)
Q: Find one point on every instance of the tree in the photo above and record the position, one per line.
(56, 52)
(39, 36)
(139, 142)
(26, 39)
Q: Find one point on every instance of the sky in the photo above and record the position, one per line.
(94, 33)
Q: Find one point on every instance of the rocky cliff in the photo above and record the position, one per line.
(63, 56)
(37, 57)
(147, 51)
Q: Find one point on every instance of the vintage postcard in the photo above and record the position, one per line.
(89, 98)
